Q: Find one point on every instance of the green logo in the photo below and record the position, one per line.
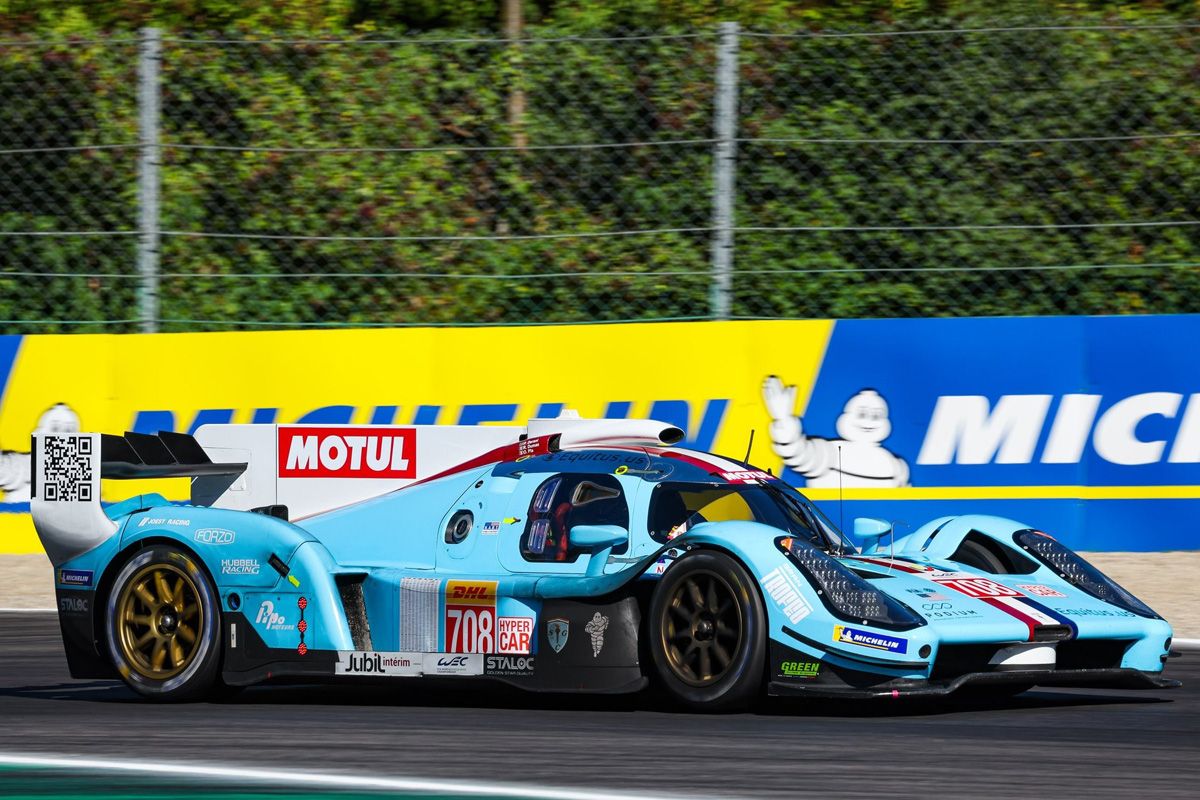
(800, 669)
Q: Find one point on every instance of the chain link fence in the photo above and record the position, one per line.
(179, 183)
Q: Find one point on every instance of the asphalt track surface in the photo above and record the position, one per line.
(1045, 743)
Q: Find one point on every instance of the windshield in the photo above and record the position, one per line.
(677, 507)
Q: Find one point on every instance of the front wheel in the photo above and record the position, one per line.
(708, 632)
(162, 625)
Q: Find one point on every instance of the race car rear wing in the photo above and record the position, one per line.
(167, 455)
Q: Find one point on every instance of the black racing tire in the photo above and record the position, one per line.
(162, 625)
(708, 632)
(976, 555)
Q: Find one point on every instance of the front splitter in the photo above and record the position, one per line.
(1090, 678)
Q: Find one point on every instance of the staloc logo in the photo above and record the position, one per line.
(310, 452)
(509, 665)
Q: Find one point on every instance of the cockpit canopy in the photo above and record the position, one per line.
(676, 507)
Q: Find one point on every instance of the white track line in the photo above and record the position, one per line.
(311, 780)
(27, 610)
(1186, 644)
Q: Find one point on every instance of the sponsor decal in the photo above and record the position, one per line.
(471, 616)
(800, 669)
(596, 628)
(240, 566)
(747, 476)
(783, 585)
(514, 635)
(1096, 612)
(182, 523)
(975, 587)
(491, 528)
(945, 611)
(452, 664)
(928, 594)
(359, 662)
(270, 620)
(73, 605)
(1038, 590)
(557, 632)
(215, 536)
(372, 452)
(879, 641)
(75, 577)
(970, 429)
(509, 666)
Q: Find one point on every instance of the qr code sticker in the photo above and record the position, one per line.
(67, 469)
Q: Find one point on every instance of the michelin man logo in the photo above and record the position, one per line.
(596, 629)
(14, 464)
(862, 426)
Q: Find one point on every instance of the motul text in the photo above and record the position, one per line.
(347, 452)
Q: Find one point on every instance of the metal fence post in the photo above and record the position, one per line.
(724, 164)
(149, 58)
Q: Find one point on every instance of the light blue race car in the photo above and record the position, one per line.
(566, 556)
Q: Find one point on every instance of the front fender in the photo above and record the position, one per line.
(796, 615)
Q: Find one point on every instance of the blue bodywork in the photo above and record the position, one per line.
(388, 576)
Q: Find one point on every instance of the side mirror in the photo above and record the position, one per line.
(870, 531)
(599, 540)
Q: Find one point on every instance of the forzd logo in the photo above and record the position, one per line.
(347, 452)
(215, 536)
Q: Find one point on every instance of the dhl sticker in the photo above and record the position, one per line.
(471, 593)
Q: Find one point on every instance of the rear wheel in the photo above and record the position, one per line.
(162, 625)
(708, 632)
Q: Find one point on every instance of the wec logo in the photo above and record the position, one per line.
(306, 452)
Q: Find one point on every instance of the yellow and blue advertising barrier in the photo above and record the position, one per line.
(1088, 428)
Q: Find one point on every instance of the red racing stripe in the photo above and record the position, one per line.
(891, 564)
(1030, 622)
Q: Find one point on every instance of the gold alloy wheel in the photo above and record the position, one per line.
(702, 628)
(159, 615)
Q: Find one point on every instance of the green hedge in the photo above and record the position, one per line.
(446, 95)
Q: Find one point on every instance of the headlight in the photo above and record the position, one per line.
(1078, 572)
(844, 593)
